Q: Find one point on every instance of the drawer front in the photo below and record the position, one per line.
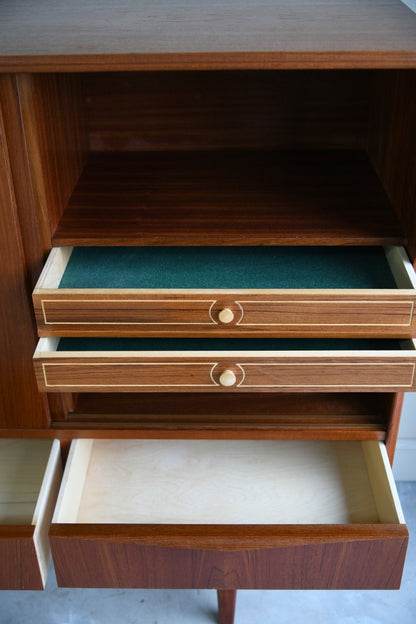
(221, 373)
(197, 306)
(30, 477)
(134, 513)
(248, 314)
(329, 564)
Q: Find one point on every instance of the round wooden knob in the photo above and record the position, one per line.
(228, 378)
(226, 315)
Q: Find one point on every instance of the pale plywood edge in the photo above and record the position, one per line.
(44, 509)
(382, 481)
(401, 267)
(46, 346)
(67, 505)
(53, 270)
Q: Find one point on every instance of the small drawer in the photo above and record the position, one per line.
(30, 474)
(228, 515)
(224, 365)
(241, 291)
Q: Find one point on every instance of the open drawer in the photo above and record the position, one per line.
(30, 473)
(224, 365)
(228, 515)
(241, 291)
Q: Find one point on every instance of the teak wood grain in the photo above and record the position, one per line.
(217, 110)
(225, 557)
(193, 35)
(181, 313)
(194, 371)
(19, 560)
(228, 198)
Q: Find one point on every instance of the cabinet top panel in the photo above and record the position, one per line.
(39, 35)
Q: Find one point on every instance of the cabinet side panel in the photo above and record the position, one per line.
(20, 403)
(392, 141)
(52, 113)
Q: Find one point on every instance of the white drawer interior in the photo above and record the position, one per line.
(24, 470)
(227, 482)
(30, 474)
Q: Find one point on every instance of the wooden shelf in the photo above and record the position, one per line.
(229, 198)
(313, 416)
(83, 36)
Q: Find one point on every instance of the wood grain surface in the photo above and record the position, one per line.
(228, 198)
(239, 33)
(306, 557)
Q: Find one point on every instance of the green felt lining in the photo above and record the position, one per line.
(225, 344)
(228, 267)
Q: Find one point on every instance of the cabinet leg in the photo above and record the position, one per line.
(226, 605)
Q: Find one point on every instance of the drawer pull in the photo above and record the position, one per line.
(228, 378)
(226, 315)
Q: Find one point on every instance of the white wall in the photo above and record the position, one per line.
(404, 465)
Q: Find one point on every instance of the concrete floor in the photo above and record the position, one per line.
(96, 606)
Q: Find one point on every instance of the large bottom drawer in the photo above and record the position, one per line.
(30, 472)
(228, 515)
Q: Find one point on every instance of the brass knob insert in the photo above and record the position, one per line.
(226, 315)
(227, 378)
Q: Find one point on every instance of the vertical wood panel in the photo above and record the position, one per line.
(227, 110)
(51, 108)
(392, 142)
(20, 403)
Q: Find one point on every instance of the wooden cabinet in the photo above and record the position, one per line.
(214, 211)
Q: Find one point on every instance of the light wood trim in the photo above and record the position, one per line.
(401, 267)
(73, 481)
(383, 485)
(44, 509)
(54, 268)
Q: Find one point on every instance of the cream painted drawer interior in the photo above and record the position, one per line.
(241, 291)
(30, 472)
(203, 506)
(221, 365)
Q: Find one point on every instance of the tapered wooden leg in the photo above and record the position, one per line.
(226, 605)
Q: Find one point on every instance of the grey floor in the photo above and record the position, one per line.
(94, 606)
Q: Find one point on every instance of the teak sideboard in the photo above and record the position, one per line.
(208, 234)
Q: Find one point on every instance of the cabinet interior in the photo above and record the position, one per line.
(102, 146)
(173, 157)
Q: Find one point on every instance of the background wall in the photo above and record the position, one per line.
(404, 466)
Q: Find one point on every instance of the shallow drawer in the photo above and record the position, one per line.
(245, 291)
(221, 365)
(228, 514)
(30, 472)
